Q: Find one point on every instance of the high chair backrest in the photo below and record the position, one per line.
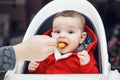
(82, 6)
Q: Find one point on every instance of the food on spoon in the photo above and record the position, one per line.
(61, 45)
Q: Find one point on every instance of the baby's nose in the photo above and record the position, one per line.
(62, 35)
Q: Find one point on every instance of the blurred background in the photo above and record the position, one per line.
(15, 16)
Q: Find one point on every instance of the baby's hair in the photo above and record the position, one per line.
(71, 13)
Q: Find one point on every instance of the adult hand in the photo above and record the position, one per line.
(36, 48)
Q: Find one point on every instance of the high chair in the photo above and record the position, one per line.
(43, 21)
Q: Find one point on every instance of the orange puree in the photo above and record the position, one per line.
(61, 45)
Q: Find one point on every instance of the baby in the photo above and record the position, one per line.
(69, 31)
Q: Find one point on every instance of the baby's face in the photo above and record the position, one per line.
(67, 30)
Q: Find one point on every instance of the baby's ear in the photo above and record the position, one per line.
(83, 37)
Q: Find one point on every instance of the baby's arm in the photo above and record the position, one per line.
(84, 57)
(32, 66)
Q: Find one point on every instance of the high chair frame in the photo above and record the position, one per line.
(81, 6)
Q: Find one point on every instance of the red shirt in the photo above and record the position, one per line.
(69, 65)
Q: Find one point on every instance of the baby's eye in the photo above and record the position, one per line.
(56, 32)
(70, 32)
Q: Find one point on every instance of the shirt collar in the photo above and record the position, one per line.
(58, 55)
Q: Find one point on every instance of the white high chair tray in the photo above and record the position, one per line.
(57, 77)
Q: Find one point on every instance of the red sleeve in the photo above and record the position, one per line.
(91, 67)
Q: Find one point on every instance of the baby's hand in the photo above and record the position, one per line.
(84, 57)
(32, 66)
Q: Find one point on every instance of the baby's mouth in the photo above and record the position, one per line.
(61, 45)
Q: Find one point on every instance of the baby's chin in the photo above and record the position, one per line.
(63, 52)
